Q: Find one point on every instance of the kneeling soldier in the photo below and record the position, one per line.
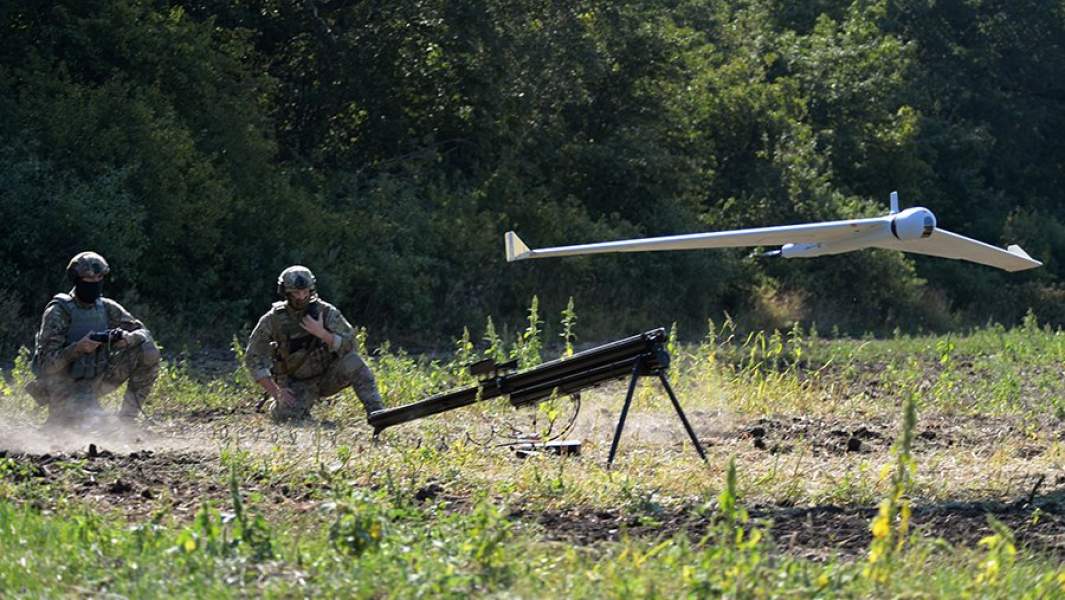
(303, 349)
(89, 345)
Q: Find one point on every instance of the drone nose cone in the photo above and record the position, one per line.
(928, 221)
(913, 223)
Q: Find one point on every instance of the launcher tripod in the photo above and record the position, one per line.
(640, 369)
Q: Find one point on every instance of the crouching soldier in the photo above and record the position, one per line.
(87, 346)
(303, 349)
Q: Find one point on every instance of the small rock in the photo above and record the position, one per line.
(1029, 451)
(428, 492)
(119, 487)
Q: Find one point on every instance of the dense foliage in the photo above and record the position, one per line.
(203, 146)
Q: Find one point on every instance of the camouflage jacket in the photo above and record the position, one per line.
(53, 354)
(280, 345)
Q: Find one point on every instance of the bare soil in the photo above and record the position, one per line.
(819, 532)
(174, 466)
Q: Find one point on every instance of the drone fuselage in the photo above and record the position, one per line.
(911, 224)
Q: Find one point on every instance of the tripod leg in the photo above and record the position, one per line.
(624, 411)
(683, 418)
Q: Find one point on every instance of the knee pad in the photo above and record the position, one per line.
(350, 364)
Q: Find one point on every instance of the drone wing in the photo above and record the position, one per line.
(945, 244)
(809, 233)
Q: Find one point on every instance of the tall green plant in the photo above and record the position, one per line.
(496, 349)
(529, 343)
(569, 322)
(891, 525)
(464, 355)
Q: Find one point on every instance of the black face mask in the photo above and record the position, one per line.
(88, 291)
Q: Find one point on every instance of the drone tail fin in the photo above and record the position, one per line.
(515, 248)
(1017, 250)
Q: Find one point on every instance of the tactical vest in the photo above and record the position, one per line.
(297, 354)
(84, 320)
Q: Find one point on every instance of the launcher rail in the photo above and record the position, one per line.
(637, 356)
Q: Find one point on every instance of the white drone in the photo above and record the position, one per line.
(912, 230)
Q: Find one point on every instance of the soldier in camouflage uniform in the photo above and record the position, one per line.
(74, 371)
(303, 349)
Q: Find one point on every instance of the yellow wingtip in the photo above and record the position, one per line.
(515, 248)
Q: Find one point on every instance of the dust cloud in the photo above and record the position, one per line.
(21, 434)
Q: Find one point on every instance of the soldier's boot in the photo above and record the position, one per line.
(141, 380)
(39, 392)
(90, 412)
(281, 413)
(79, 408)
(365, 387)
(371, 399)
(304, 397)
(131, 407)
(60, 414)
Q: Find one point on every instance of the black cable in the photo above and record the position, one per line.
(576, 398)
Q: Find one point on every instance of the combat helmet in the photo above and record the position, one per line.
(296, 277)
(86, 264)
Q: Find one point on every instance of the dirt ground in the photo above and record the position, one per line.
(173, 465)
(819, 532)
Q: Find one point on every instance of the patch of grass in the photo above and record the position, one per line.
(366, 544)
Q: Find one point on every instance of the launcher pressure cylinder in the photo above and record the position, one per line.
(563, 376)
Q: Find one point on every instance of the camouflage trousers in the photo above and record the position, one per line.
(345, 371)
(71, 401)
